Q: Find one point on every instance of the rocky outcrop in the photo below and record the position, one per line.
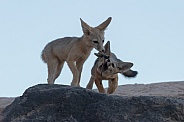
(57, 103)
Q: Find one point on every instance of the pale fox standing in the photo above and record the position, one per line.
(106, 67)
(73, 50)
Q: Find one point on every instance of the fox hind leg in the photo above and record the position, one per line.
(113, 84)
(91, 82)
(59, 69)
(52, 70)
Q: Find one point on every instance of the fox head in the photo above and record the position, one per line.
(94, 36)
(108, 64)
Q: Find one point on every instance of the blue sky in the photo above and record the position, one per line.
(148, 33)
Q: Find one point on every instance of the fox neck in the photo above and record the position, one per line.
(84, 43)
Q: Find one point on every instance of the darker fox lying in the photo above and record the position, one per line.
(106, 67)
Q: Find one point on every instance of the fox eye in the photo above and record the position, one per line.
(119, 68)
(96, 42)
(106, 57)
(112, 65)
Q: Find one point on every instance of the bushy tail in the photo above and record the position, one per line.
(47, 53)
(43, 57)
(130, 73)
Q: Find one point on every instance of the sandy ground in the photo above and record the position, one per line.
(5, 101)
(170, 89)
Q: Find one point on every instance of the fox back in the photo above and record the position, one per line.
(73, 50)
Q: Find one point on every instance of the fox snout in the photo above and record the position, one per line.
(100, 48)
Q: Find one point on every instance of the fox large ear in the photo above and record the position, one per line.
(104, 25)
(107, 48)
(85, 27)
(124, 66)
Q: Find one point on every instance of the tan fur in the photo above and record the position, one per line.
(73, 50)
(106, 67)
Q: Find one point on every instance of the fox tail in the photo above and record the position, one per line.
(130, 73)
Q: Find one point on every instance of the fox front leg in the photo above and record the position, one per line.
(79, 65)
(75, 73)
(113, 84)
(99, 85)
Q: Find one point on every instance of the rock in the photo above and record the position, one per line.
(57, 103)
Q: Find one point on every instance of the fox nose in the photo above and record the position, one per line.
(103, 50)
(100, 49)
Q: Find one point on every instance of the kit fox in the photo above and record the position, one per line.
(106, 67)
(73, 50)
